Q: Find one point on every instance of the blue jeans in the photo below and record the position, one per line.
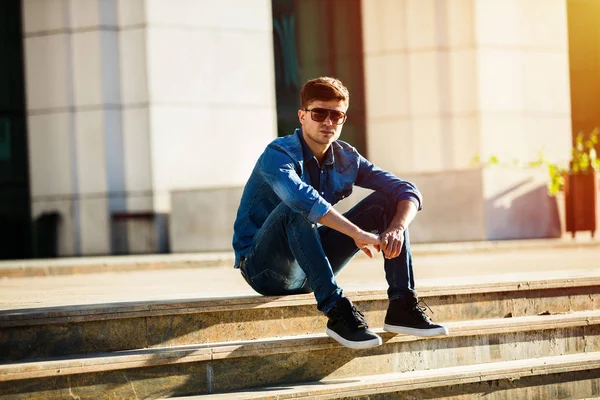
(291, 255)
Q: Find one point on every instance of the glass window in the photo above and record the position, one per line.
(15, 217)
(4, 140)
(319, 38)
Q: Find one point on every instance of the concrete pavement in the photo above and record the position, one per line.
(85, 265)
(362, 273)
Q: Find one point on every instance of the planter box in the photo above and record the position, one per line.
(581, 191)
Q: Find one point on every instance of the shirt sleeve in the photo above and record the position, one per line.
(372, 177)
(277, 169)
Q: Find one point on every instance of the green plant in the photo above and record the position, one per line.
(583, 158)
(584, 153)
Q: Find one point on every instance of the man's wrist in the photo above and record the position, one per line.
(398, 227)
(356, 232)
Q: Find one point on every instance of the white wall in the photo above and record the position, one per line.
(449, 80)
(212, 91)
(130, 99)
(73, 104)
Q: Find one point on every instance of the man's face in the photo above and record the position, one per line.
(326, 132)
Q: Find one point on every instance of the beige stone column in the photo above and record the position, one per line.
(525, 106)
(450, 79)
(74, 120)
(131, 100)
(211, 89)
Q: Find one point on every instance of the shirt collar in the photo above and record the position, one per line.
(308, 154)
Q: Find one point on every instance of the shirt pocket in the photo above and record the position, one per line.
(342, 194)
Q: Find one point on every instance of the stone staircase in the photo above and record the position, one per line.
(532, 339)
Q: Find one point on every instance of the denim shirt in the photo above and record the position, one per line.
(280, 176)
(312, 166)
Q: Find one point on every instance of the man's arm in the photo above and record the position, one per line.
(334, 220)
(372, 177)
(278, 171)
(404, 193)
(392, 239)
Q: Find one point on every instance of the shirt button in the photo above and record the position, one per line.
(322, 171)
(322, 193)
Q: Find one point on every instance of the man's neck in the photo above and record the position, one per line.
(318, 150)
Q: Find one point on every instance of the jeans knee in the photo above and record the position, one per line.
(297, 219)
(385, 204)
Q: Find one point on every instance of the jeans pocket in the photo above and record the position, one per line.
(271, 283)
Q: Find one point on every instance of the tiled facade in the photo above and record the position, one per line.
(130, 101)
(450, 80)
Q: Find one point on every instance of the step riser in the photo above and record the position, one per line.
(192, 327)
(579, 385)
(233, 371)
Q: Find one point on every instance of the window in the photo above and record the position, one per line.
(319, 38)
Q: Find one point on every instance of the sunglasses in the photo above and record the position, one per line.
(321, 114)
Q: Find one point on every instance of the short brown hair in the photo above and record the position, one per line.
(324, 88)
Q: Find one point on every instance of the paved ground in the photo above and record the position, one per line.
(185, 283)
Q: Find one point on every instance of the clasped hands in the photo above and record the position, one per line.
(390, 242)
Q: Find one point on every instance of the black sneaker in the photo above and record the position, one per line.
(407, 316)
(348, 327)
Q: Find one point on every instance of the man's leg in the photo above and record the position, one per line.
(405, 314)
(287, 258)
(373, 214)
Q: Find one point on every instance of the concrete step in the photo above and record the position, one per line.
(60, 331)
(94, 265)
(227, 366)
(573, 376)
(149, 262)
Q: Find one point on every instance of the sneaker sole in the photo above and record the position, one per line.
(414, 331)
(365, 344)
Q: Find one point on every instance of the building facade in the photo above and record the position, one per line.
(135, 123)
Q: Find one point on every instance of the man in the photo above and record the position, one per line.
(288, 239)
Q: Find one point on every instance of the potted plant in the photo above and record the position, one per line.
(579, 182)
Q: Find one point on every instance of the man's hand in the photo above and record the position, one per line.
(364, 239)
(392, 241)
(334, 220)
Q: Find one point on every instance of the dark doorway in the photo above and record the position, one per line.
(15, 214)
(315, 38)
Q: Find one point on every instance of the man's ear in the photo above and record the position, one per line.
(301, 115)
